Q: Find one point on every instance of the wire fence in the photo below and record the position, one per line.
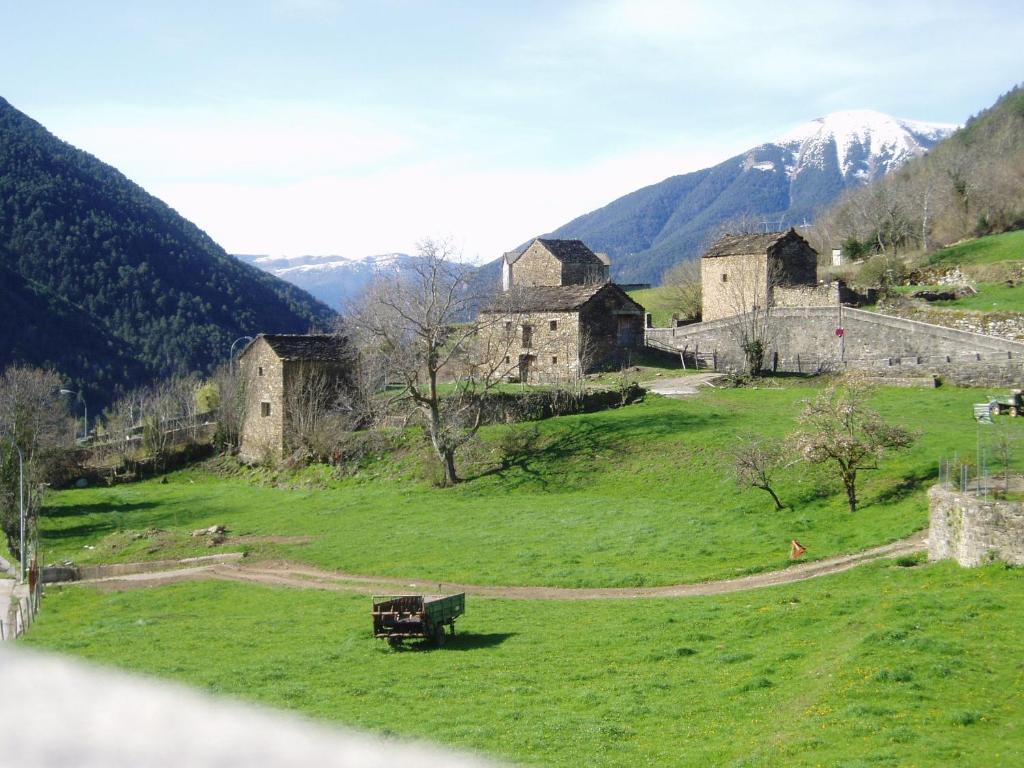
(961, 476)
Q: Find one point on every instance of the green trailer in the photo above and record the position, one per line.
(397, 617)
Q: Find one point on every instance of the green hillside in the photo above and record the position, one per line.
(139, 276)
(1008, 246)
(643, 493)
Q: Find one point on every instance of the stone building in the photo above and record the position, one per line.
(742, 272)
(272, 366)
(554, 262)
(559, 316)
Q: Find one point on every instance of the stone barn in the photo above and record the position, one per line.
(272, 366)
(554, 262)
(559, 316)
(743, 272)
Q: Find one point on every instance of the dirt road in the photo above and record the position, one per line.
(289, 574)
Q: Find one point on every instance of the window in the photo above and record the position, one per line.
(554, 359)
(260, 371)
(507, 359)
(527, 335)
(553, 325)
(725, 278)
(508, 327)
(264, 408)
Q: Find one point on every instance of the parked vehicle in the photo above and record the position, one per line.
(397, 617)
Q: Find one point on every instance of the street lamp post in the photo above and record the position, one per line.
(231, 354)
(21, 504)
(85, 420)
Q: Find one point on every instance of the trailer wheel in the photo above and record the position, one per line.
(439, 635)
(395, 642)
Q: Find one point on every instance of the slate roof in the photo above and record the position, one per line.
(551, 298)
(738, 245)
(566, 251)
(306, 346)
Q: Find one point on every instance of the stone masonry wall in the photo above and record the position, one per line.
(804, 340)
(974, 531)
(826, 295)
(732, 284)
(536, 266)
(262, 436)
(553, 352)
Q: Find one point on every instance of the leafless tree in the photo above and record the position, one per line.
(320, 409)
(231, 408)
(683, 285)
(122, 423)
(417, 327)
(756, 461)
(33, 416)
(749, 299)
(840, 429)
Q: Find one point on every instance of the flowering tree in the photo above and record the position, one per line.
(839, 429)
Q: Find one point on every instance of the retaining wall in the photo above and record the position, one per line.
(804, 340)
(974, 531)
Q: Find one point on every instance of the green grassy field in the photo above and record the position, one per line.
(1008, 246)
(641, 495)
(658, 301)
(880, 666)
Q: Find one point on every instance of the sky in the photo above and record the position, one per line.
(291, 127)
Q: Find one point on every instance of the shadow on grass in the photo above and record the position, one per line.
(468, 641)
(905, 486)
(104, 508)
(551, 464)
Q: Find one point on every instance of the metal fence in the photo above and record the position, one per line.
(960, 476)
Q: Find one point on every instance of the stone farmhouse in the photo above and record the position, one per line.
(272, 366)
(559, 316)
(814, 328)
(740, 273)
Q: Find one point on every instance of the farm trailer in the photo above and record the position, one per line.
(397, 617)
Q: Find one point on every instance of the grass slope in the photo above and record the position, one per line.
(641, 495)
(1008, 246)
(881, 666)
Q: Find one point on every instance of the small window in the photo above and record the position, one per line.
(554, 359)
(264, 408)
(508, 327)
(527, 335)
(260, 371)
(553, 325)
(725, 278)
(507, 359)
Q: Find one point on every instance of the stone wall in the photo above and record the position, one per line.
(548, 354)
(974, 531)
(536, 266)
(825, 295)
(804, 340)
(613, 326)
(262, 432)
(730, 285)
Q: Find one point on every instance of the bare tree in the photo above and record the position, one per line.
(756, 461)
(840, 429)
(749, 299)
(417, 327)
(683, 285)
(319, 410)
(35, 418)
(231, 407)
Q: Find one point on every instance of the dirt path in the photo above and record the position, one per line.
(682, 386)
(287, 574)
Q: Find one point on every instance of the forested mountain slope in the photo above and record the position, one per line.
(106, 261)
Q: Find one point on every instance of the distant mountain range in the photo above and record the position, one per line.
(109, 285)
(334, 280)
(784, 182)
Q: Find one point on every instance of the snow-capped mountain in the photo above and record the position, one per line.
(785, 182)
(335, 280)
(863, 144)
